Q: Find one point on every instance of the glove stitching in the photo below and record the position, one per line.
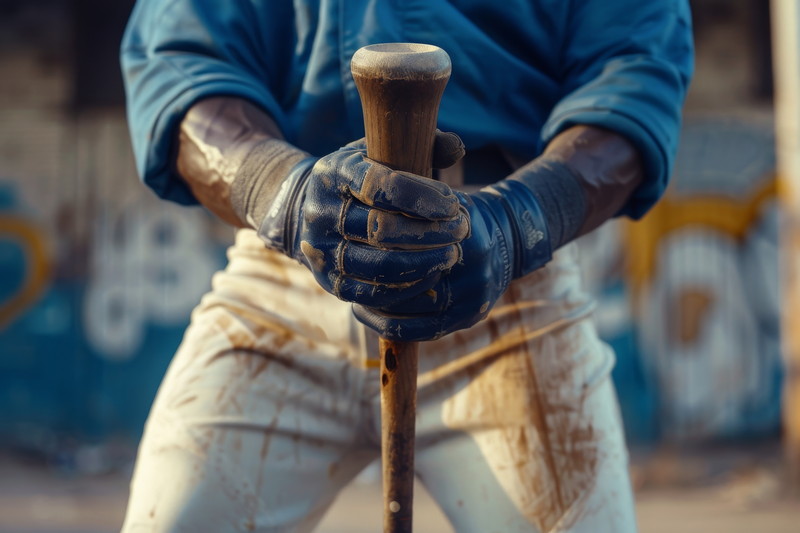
(338, 271)
(505, 249)
(515, 267)
(441, 328)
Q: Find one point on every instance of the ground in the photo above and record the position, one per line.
(731, 490)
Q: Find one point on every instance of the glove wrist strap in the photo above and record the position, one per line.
(279, 226)
(529, 234)
(259, 177)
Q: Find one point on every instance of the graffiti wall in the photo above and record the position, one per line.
(97, 280)
(98, 277)
(97, 283)
(689, 295)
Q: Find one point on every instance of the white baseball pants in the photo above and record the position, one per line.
(271, 406)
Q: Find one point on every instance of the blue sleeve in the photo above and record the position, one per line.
(177, 52)
(627, 65)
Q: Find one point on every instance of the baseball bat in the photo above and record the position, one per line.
(400, 85)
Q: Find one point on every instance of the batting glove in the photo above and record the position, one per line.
(510, 236)
(369, 235)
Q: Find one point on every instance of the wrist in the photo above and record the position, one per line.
(261, 176)
(607, 167)
(559, 196)
(524, 226)
(280, 223)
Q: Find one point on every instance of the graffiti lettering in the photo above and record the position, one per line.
(150, 266)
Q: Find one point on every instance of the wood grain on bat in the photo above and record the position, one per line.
(400, 85)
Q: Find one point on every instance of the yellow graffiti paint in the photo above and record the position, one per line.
(726, 215)
(39, 266)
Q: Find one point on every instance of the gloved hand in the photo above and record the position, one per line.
(392, 242)
(585, 176)
(509, 237)
(368, 234)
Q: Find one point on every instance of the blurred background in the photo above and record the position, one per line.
(98, 277)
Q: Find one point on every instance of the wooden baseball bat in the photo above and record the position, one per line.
(401, 85)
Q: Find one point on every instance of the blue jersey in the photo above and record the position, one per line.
(522, 71)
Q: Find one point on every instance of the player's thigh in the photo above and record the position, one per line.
(247, 434)
(529, 439)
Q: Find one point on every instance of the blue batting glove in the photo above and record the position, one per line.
(369, 235)
(509, 238)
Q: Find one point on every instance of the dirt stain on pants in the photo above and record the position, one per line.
(271, 406)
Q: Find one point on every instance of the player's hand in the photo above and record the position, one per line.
(369, 235)
(508, 237)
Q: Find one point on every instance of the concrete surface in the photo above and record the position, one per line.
(703, 492)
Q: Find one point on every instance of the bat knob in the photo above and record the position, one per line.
(401, 61)
(401, 85)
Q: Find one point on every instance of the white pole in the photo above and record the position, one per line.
(786, 63)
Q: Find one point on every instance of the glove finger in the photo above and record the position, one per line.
(378, 186)
(448, 149)
(407, 329)
(385, 229)
(395, 266)
(358, 144)
(428, 303)
(375, 295)
(434, 301)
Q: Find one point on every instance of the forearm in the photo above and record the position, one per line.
(585, 176)
(608, 168)
(216, 137)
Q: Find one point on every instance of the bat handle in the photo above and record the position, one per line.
(399, 362)
(401, 85)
